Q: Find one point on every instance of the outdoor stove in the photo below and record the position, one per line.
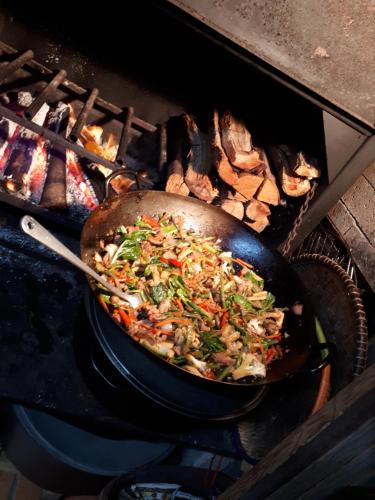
(71, 138)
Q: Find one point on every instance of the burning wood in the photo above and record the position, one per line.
(199, 164)
(236, 140)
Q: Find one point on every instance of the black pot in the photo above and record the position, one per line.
(63, 458)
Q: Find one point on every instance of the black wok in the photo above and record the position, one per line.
(208, 220)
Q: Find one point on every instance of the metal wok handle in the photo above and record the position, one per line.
(31, 227)
(116, 173)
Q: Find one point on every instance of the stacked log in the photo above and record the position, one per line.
(225, 167)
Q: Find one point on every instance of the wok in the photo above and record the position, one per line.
(236, 237)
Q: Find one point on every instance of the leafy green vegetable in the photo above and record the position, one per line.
(169, 229)
(258, 282)
(212, 343)
(158, 293)
(140, 235)
(268, 302)
(243, 302)
(179, 360)
(199, 310)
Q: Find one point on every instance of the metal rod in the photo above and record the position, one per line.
(77, 89)
(56, 139)
(32, 110)
(82, 117)
(14, 65)
(124, 140)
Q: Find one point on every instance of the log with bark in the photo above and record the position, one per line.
(300, 164)
(292, 184)
(176, 175)
(219, 157)
(268, 191)
(199, 163)
(237, 144)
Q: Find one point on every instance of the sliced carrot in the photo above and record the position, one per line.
(103, 303)
(179, 304)
(242, 263)
(181, 321)
(150, 221)
(125, 317)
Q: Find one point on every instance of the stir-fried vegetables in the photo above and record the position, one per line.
(193, 304)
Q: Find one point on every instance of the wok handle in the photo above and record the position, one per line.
(31, 227)
(116, 173)
(322, 346)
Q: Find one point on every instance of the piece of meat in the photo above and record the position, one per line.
(199, 164)
(221, 357)
(236, 141)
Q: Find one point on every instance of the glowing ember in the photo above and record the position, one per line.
(11, 186)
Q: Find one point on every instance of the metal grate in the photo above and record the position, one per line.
(324, 241)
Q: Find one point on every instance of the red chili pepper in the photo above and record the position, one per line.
(224, 319)
(150, 221)
(270, 354)
(164, 260)
(125, 317)
(209, 374)
(176, 263)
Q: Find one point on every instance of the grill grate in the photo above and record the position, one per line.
(324, 241)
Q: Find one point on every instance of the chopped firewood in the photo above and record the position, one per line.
(233, 207)
(292, 184)
(248, 184)
(219, 158)
(239, 197)
(305, 168)
(176, 183)
(268, 191)
(299, 163)
(259, 225)
(257, 210)
(199, 164)
(236, 141)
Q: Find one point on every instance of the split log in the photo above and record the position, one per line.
(219, 157)
(176, 175)
(199, 165)
(259, 225)
(300, 164)
(236, 141)
(239, 197)
(257, 210)
(268, 191)
(291, 184)
(233, 207)
(176, 183)
(306, 168)
(248, 184)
